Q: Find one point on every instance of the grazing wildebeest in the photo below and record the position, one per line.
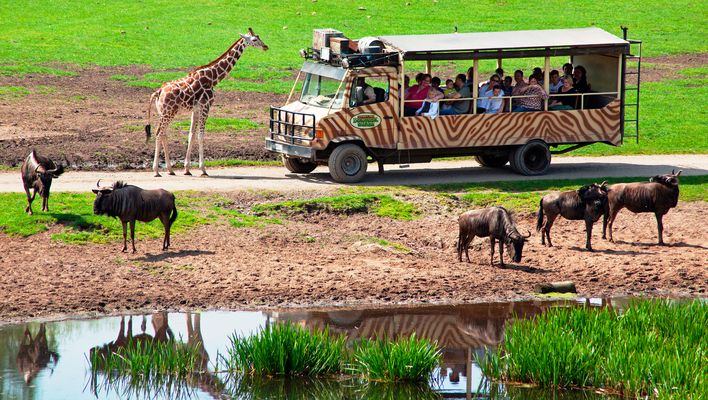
(659, 195)
(130, 203)
(37, 174)
(495, 222)
(587, 203)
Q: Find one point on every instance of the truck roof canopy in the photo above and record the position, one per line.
(530, 43)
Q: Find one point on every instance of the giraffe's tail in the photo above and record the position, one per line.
(148, 131)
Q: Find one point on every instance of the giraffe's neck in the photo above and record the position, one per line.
(220, 68)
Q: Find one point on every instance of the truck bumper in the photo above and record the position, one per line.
(290, 149)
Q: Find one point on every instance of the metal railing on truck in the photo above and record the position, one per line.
(291, 126)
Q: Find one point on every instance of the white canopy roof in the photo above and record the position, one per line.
(534, 39)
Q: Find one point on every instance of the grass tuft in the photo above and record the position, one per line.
(381, 205)
(222, 124)
(405, 359)
(656, 347)
(286, 349)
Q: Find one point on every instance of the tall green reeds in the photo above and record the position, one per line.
(655, 347)
(286, 349)
(404, 359)
(149, 358)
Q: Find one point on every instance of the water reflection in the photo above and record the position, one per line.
(29, 366)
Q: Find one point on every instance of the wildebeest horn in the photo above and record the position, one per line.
(97, 184)
(529, 235)
(603, 183)
(678, 173)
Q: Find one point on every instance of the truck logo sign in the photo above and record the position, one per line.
(365, 120)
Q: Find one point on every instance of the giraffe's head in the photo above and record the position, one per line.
(254, 40)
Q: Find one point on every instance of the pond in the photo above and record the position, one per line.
(50, 360)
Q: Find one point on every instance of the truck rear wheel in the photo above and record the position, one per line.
(298, 165)
(533, 158)
(492, 160)
(347, 163)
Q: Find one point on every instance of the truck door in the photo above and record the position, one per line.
(373, 109)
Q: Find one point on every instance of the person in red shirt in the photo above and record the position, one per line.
(417, 92)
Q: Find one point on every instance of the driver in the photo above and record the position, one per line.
(364, 92)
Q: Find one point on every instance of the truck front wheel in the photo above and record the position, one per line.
(533, 158)
(347, 163)
(298, 165)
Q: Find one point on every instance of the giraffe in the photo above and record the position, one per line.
(194, 92)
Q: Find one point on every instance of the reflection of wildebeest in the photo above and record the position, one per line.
(495, 222)
(587, 203)
(37, 174)
(130, 203)
(659, 195)
(34, 354)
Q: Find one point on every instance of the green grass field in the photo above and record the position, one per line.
(166, 34)
(172, 37)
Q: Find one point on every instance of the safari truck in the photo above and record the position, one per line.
(328, 123)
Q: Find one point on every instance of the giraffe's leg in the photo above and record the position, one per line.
(161, 133)
(202, 124)
(168, 164)
(192, 129)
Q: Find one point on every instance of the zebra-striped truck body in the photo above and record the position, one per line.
(313, 129)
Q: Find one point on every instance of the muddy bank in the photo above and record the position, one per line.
(335, 260)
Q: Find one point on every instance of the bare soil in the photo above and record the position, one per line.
(92, 122)
(334, 260)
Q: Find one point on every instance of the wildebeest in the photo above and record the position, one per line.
(587, 203)
(495, 222)
(34, 354)
(659, 195)
(130, 203)
(37, 174)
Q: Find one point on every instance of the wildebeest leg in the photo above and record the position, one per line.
(588, 231)
(613, 215)
(660, 227)
(501, 253)
(493, 242)
(468, 241)
(461, 238)
(45, 204)
(30, 199)
(550, 218)
(165, 219)
(132, 234)
(125, 235)
(605, 215)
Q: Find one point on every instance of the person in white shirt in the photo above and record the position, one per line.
(555, 82)
(495, 103)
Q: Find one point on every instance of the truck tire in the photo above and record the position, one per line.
(347, 163)
(533, 158)
(492, 160)
(298, 165)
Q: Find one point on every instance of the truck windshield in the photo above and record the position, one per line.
(321, 91)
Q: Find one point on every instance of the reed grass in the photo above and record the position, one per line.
(405, 359)
(150, 359)
(655, 348)
(286, 349)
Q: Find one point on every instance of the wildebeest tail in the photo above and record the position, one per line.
(148, 131)
(173, 217)
(539, 221)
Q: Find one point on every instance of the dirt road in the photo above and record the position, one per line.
(278, 178)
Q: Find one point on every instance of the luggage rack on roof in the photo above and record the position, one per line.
(352, 60)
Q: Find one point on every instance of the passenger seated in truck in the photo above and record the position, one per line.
(486, 91)
(431, 104)
(565, 102)
(534, 103)
(417, 92)
(555, 82)
(518, 86)
(494, 104)
(365, 94)
(538, 74)
(567, 70)
(449, 88)
(580, 79)
(463, 92)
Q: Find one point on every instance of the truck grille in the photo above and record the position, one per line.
(291, 126)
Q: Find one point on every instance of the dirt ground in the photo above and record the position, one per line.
(92, 122)
(323, 260)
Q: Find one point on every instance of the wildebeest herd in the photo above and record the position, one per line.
(130, 203)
